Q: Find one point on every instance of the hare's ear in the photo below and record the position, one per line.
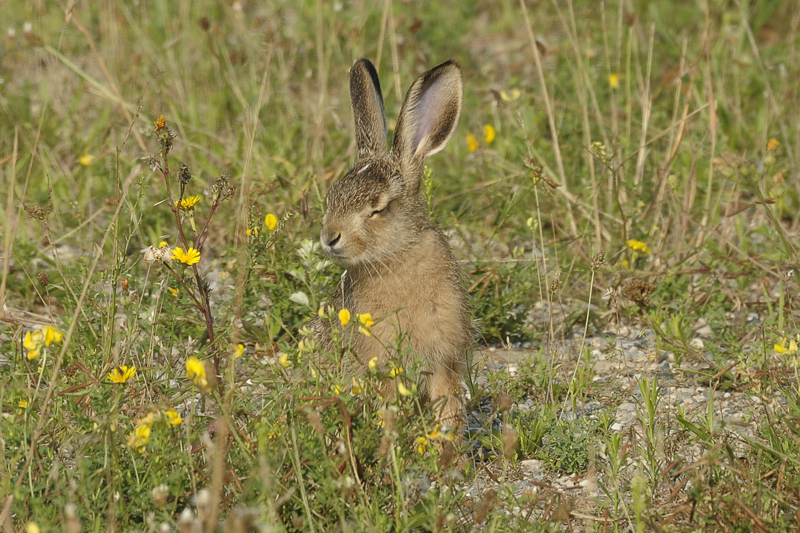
(428, 118)
(368, 113)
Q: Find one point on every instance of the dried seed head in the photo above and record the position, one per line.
(155, 164)
(36, 211)
(124, 283)
(504, 402)
(161, 253)
(598, 260)
(44, 280)
(509, 441)
(485, 506)
(72, 523)
(221, 190)
(183, 174)
(556, 282)
(389, 417)
(638, 291)
(315, 422)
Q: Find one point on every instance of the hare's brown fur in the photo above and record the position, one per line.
(400, 269)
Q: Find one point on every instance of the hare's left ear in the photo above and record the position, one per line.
(427, 119)
(368, 113)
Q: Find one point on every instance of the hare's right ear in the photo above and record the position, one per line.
(427, 119)
(368, 113)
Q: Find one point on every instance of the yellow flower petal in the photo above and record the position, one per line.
(421, 443)
(33, 340)
(284, 360)
(613, 81)
(344, 316)
(270, 221)
(403, 390)
(196, 371)
(51, 335)
(140, 437)
(638, 246)
(365, 323)
(87, 160)
(238, 351)
(488, 134)
(373, 363)
(772, 144)
(122, 374)
(510, 96)
(173, 418)
(189, 257)
(472, 142)
(395, 370)
(161, 123)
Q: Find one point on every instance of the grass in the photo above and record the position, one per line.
(643, 176)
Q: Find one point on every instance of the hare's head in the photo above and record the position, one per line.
(377, 210)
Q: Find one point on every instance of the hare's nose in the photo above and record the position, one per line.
(332, 242)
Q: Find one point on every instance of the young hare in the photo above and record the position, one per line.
(400, 269)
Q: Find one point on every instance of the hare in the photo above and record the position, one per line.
(400, 269)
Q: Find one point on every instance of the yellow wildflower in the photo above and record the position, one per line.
(405, 391)
(365, 322)
(163, 244)
(161, 123)
(189, 257)
(174, 292)
(488, 133)
(344, 316)
(173, 418)
(472, 142)
(440, 434)
(122, 374)
(613, 81)
(782, 349)
(510, 96)
(140, 437)
(196, 371)
(34, 342)
(253, 232)
(276, 431)
(23, 404)
(32, 527)
(336, 389)
(373, 364)
(284, 360)
(188, 203)
(395, 370)
(358, 386)
(422, 444)
(51, 335)
(87, 159)
(238, 351)
(638, 246)
(772, 144)
(270, 221)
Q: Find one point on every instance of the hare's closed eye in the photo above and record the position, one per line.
(379, 210)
